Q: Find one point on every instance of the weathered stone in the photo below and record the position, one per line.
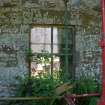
(18, 16)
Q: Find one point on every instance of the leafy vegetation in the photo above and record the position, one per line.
(45, 86)
(86, 86)
(41, 86)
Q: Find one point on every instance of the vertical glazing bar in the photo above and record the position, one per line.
(66, 52)
(66, 62)
(52, 51)
(29, 56)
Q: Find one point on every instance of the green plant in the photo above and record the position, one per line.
(29, 55)
(93, 101)
(38, 86)
(44, 86)
(86, 86)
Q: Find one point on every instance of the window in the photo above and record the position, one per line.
(52, 49)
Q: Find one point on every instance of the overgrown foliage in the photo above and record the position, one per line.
(45, 86)
(41, 86)
(86, 86)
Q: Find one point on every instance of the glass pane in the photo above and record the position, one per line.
(41, 35)
(41, 48)
(41, 40)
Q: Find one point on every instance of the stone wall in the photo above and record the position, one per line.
(16, 19)
(88, 52)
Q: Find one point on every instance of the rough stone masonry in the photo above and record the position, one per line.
(17, 17)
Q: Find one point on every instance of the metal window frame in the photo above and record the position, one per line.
(58, 54)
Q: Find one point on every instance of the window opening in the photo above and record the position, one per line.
(50, 49)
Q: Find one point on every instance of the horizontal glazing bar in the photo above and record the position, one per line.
(49, 54)
(50, 43)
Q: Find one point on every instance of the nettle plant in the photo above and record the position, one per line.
(39, 87)
(45, 86)
(85, 86)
